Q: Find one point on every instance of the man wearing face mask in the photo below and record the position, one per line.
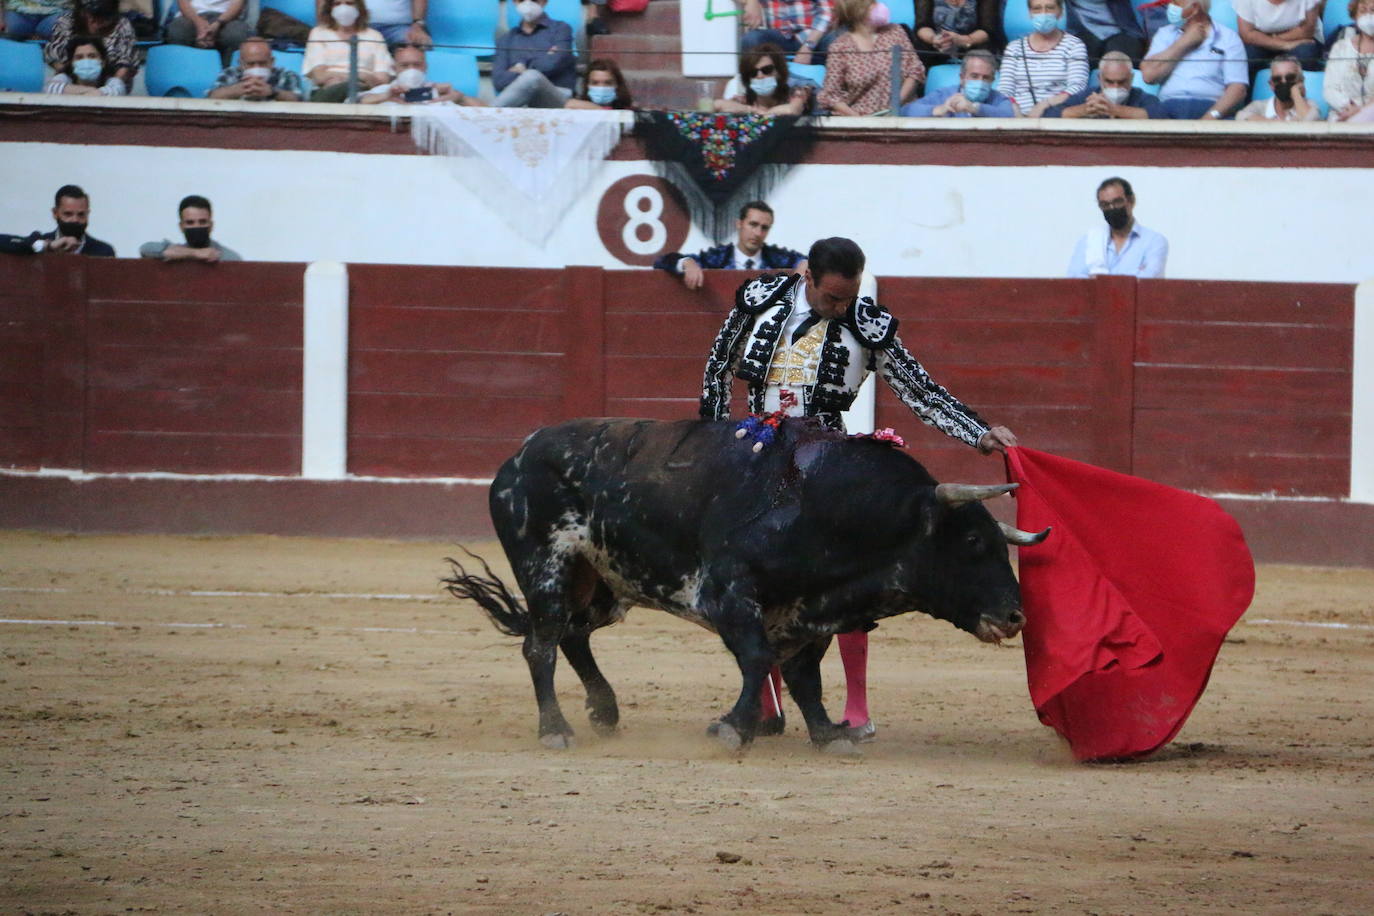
(1289, 102)
(974, 97)
(1122, 247)
(534, 66)
(412, 83)
(256, 77)
(72, 211)
(196, 222)
(1116, 98)
(1198, 63)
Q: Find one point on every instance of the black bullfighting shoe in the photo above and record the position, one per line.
(860, 734)
(767, 728)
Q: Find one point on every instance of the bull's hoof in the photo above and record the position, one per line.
(605, 729)
(556, 742)
(841, 747)
(726, 734)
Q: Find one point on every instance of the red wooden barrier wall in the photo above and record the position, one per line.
(138, 366)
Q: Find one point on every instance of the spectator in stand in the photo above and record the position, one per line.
(221, 24)
(196, 223)
(1269, 28)
(974, 97)
(858, 78)
(1045, 67)
(1349, 85)
(1107, 25)
(1198, 63)
(799, 27)
(1289, 101)
(1116, 98)
(399, 21)
(764, 85)
(256, 77)
(20, 19)
(96, 19)
(87, 71)
(1122, 247)
(946, 29)
(747, 252)
(604, 89)
(412, 83)
(326, 53)
(72, 211)
(534, 65)
(596, 18)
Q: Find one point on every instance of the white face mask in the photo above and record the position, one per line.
(1366, 24)
(529, 10)
(345, 14)
(1116, 95)
(261, 73)
(410, 78)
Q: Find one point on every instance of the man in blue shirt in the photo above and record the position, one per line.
(1198, 63)
(974, 97)
(534, 66)
(1116, 98)
(1123, 246)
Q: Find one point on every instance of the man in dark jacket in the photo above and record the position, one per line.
(747, 252)
(534, 65)
(72, 211)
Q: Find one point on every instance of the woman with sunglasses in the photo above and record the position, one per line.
(763, 85)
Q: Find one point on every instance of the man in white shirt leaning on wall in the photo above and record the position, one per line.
(1122, 246)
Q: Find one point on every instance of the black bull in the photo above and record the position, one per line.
(775, 550)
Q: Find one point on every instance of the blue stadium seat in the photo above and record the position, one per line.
(456, 67)
(814, 72)
(1137, 81)
(903, 11)
(21, 66)
(181, 71)
(304, 10)
(1312, 83)
(1016, 20)
(1223, 12)
(1335, 17)
(942, 76)
(469, 26)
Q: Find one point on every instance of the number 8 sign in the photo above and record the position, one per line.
(640, 218)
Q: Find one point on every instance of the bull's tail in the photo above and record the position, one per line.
(507, 612)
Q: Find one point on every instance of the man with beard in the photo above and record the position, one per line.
(196, 224)
(1122, 246)
(72, 211)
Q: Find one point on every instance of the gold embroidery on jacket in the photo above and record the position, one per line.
(796, 364)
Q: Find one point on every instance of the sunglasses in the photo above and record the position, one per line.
(1289, 80)
(766, 70)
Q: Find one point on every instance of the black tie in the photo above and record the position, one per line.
(749, 264)
(807, 324)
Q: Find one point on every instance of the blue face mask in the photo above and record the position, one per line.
(87, 68)
(1044, 23)
(976, 90)
(601, 95)
(764, 86)
(1175, 15)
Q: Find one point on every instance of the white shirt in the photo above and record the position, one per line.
(1274, 18)
(390, 12)
(741, 258)
(210, 6)
(800, 312)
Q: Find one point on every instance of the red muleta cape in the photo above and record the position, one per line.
(1126, 603)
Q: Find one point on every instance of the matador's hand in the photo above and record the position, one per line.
(999, 438)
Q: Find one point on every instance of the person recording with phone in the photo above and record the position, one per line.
(412, 83)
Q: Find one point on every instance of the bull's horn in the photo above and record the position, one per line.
(1022, 538)
(956, 494)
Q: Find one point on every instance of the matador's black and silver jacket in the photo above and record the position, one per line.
(864, 341)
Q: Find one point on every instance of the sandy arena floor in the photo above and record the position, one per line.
(294, 745)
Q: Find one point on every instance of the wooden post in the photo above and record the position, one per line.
(1112, 375)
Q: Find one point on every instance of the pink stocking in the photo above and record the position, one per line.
(854, 656)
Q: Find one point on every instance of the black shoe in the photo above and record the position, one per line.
(598, 26)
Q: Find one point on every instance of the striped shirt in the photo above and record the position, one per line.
(1030, 76)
